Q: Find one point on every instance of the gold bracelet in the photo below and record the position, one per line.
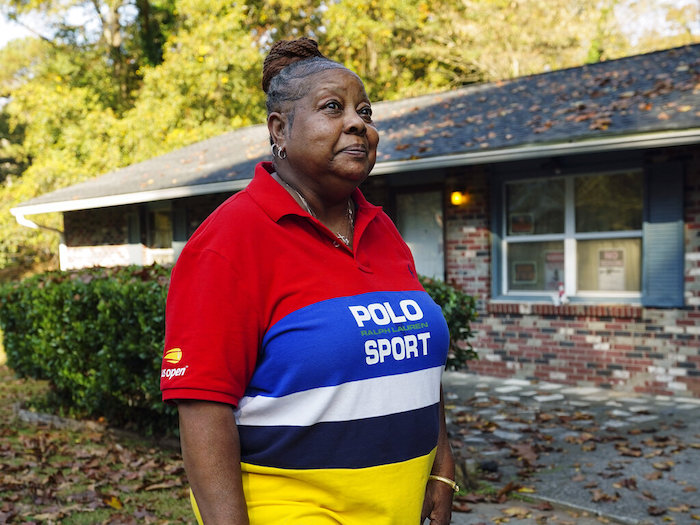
(451, 483)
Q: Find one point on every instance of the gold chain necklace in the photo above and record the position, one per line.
(350, 214)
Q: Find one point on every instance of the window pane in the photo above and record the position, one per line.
(610, 265)
(609, 202)
(535, 207)
(535, 266)
(160, 229)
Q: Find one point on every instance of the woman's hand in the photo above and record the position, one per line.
(437, 503)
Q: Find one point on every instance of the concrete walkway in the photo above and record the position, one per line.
(580, 455)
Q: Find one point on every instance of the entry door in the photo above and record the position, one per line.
(420, 223)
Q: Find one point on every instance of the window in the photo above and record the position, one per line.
(160, 228)
(616, 236)
(583, 233)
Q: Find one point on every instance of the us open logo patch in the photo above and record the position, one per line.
(173, 356)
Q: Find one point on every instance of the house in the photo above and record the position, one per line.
(567, 203)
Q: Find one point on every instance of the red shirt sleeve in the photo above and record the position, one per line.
(212, 332)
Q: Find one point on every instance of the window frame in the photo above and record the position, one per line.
(569, 237)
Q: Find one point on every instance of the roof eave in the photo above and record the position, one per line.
(533, 151)
(529, 151)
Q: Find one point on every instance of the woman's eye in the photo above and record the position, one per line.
(333, 105)
(366, 113)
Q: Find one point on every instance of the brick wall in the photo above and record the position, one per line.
(101, 226)
(621, 347)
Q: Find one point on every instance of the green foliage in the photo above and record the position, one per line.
(97, 337)
(460, 311)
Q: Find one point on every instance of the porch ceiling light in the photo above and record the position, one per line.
(459, 198)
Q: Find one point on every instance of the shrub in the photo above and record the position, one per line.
(460, 311)
(97, 336)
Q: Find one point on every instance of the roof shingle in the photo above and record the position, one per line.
(655, 92)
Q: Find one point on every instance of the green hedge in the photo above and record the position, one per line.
(97, 337)
(460, 311)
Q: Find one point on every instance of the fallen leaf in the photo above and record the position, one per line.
(507, 489)
(460, 507)
(627, 451)
(113, 502)
(543, 506)
(599, 495)
(164, 485)
(665, 466)
(629, 483)
(526, 452)
(656, 511)
(516, 512)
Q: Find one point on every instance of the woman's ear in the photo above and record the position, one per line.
(276, 125)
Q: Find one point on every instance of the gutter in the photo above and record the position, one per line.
(533, 151)
(530, 151)
(23, 221)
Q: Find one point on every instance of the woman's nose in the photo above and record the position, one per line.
(355, 124)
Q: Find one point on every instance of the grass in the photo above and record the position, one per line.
(84, 475)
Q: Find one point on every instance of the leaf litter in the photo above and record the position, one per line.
(83, 475)
(476, 423)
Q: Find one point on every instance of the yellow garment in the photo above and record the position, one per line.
(384, 495)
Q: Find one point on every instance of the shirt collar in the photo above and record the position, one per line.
(276, 201)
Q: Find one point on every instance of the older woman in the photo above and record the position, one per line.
(304, 356)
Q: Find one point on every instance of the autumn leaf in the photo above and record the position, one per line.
(507, 489)
(525, 451)
(598, 495)
(629, 483)
(544, 506)
(164, 485)
(526, 490)
(113, 502)
(517, 512)
(627, 451)
(460, 507)
(664, 466)
(656, 511)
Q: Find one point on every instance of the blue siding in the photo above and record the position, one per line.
(663, 249)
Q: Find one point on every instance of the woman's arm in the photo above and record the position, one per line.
(212, 454)
(437, 504)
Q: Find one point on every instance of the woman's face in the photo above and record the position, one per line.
(331, 142)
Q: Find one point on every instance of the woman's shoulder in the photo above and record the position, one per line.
(230, 222)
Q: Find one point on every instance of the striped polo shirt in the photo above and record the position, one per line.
(331, 357)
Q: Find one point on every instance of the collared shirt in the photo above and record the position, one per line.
(332, 356)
